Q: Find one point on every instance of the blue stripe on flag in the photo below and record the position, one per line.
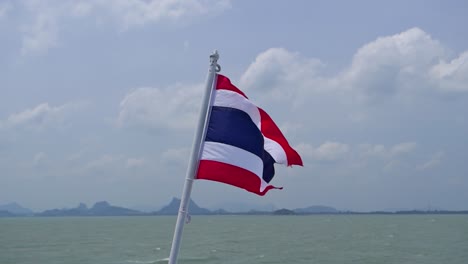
(235, 127)
(268, 167)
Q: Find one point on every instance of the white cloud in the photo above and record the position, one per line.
(401, 66)
(41, 116)
(277, 68)
(81, 8)
(103, 162)
(332, 150)
(40, 36)
(327, 151)
(392, 164)
(50, 17)
(5, 7)
(174, 107)
(369, 150)
(186, 45)
(47, 18)
(176, 155)
(452, 76)
(391, 64)
(433, 162)
(402, 148)
(381, 151)
(291, 127)
(136, 13)
(390, 156)
(357, 156)
(39, 158)
(134, 163)
(76, 156)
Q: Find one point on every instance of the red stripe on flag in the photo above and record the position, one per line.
(223, 83)
(233, 175)
(270, 130)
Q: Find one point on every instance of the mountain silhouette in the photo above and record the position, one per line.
(316, 209)
(15, 209)
(99, 209)
(173, 208)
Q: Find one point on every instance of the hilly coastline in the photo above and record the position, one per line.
(104, 208)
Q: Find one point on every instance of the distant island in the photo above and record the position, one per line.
(103, 208)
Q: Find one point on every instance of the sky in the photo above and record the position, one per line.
(99, 99)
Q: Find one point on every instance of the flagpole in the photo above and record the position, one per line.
(195, 155)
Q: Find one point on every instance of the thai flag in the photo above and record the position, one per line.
(242, 142)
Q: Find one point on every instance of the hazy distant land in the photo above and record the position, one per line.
(103, 208)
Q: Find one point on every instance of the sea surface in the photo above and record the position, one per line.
(324, 239)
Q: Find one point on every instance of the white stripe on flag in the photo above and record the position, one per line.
(226, 98)
(276, 151)
(234, 156)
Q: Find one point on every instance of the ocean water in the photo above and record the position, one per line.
(323, 239)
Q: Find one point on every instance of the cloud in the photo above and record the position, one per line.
(186, 45)
(400, 66)
(391, 64)
(41, 116)
(39, 158)
(390, 156)
(76, 156)
(48, 17)
(134, 163)
(358, 155)
(102, 163)
(46, 20)
(402, 148)
(41, 35)
(327, 151)
(381, 151)
(433, 162)
(176, 155)
(291, 127)
(5, 7)
(277, 68)
(109, 164)
(174, 107)
(370, 150)
(81, 8)
(392, 164)
(133, 13)
(451, 76)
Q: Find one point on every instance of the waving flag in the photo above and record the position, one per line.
(242, 143)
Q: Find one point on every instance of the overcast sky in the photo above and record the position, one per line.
(98, 99)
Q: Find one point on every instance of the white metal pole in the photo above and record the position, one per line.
(195, 155)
